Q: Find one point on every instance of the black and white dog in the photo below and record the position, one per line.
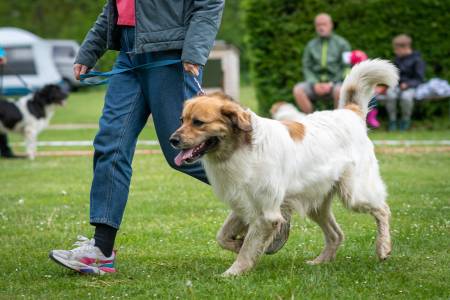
(31, 114)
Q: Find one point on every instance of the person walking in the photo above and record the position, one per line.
(144, 32)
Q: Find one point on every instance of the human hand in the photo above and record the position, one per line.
(318, 88)
(79, 69)
(381, 89)
(403, 86)
(191, 68)
(327, 86)
(322, 88)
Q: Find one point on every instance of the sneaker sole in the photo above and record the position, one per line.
(280, 239)
(84, 270)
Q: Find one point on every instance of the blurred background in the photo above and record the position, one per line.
(168, 242)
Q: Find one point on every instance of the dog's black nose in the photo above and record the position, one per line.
(174, 141)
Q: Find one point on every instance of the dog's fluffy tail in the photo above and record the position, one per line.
(358, 86)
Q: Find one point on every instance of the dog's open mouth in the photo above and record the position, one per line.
(191, 155)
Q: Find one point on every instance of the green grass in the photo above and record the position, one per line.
(168, 233)
(167, 238)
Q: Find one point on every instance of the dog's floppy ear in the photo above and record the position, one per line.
(237, 115)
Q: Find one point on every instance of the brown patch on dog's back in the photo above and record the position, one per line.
(296, 129)
(355, 108)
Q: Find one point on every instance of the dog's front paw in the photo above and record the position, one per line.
(231, 272)
(384, 250)
(236, 269)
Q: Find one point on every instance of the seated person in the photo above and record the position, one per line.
(5, 150)
(412, 73)
(323, 66)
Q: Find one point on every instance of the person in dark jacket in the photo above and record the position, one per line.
(144, 32)
(5, 149)
(412, 73)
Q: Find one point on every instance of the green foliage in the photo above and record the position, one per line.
(167, 248)
(232, 30)
(278, 30)
(54, 19)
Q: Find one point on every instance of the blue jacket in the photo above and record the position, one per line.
(190, 25)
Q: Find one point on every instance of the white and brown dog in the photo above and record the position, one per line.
(264, 168)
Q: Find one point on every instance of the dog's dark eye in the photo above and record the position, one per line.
(197, 122)
(181, 120)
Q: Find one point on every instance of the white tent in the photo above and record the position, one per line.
(29, 62)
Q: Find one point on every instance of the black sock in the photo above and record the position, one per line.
(104, 238)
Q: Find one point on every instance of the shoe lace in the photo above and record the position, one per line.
(83, 244)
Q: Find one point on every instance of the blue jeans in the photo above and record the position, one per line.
(130, 99)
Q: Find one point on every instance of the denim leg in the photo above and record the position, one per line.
(124, 115)
(166, 88)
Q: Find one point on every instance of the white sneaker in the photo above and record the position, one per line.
(86, 258)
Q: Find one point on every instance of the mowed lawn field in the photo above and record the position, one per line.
(166, 245)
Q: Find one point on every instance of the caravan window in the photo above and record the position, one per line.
(63, 51)
(19, 60)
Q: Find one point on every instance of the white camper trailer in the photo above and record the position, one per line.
(29, 62)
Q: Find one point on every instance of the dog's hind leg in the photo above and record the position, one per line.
(259, 236)
(231, 235)
(382, 216)
(357, 195)
(333, 234)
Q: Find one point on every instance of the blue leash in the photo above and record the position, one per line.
(115, 71)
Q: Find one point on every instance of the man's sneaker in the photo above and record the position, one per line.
(86, 258)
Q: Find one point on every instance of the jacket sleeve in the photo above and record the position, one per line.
(94, 44)
(202, 31)
(419, 74)
(307, 64)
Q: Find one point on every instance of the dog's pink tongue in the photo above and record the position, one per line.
(182, 156)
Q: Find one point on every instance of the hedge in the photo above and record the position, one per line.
(278, 30)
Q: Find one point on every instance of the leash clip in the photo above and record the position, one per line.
(201, 92)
